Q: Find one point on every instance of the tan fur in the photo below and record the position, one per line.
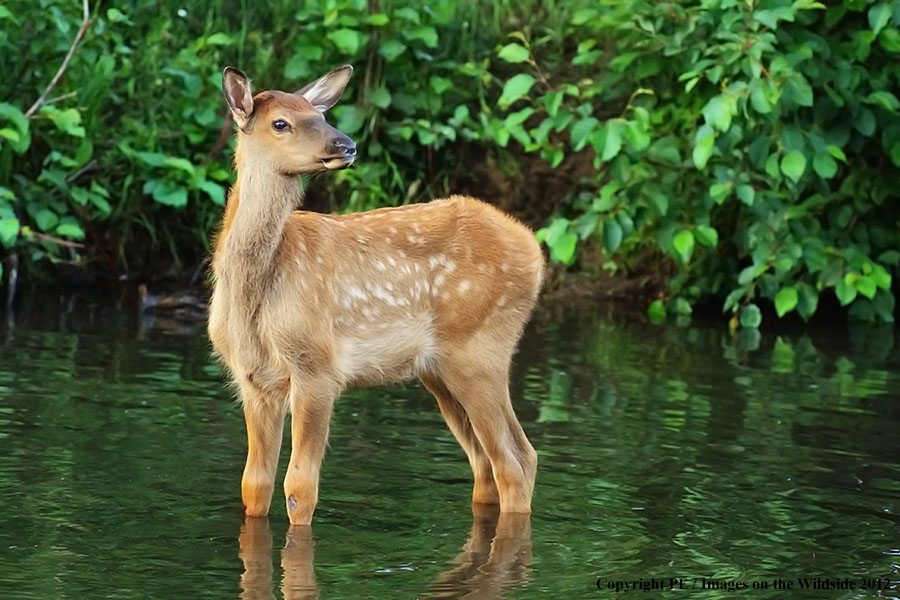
(306, 305)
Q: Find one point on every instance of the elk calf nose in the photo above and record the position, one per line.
(345, 146)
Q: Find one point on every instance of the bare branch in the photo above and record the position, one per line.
(88, 167)
(85, 23)
(59, 98)
(55, 240)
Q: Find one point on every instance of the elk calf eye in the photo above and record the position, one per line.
(280, 125)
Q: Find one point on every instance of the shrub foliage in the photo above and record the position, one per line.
(745, 150)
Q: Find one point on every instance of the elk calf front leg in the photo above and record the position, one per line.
(265, 427)
(311, 405)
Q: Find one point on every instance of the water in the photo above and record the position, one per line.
(665, 453)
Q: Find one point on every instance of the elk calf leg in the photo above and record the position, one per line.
(485, 488)
(265, 425)
(311, 407)
(513, 459)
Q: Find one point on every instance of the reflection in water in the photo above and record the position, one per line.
(663, 452)
(299, 579)
(495, 558)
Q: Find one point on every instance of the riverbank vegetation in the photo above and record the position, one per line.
(741, 152)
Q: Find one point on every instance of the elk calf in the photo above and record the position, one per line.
(306, 305)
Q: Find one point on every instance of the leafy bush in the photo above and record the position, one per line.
(745, 150)
(752, 145)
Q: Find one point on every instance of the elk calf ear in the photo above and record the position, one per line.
(238, 95)
(324, 92)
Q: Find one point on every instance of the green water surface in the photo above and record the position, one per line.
(668, 455)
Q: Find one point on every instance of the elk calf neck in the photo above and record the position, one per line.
(306, 305)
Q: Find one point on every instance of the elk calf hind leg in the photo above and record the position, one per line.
(513, 459)
(485, 488)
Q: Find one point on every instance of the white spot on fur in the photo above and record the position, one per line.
(464, 286)
(380, 265)
(439, 280)
(501, 301)
(356, 293)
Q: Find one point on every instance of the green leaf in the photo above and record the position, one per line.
(703, 151)
(706, 235)
(683, 243)
(425, 33)
(607, 140)
(612, 235)
(350, 118)
(166, 192)
(515, 88)
(381, 97)
(845, 291)
(785, 300)
(798, 90)
(879, 14)
(808, 301)
(408, 14)
(751, 317)
(665, 150)
(884, 99)
(865, 285)
(582, 16)
(637, 136)
(656, 312)
(215, 191)
(513, 53)
(837, 153)
(346, 40)
(68, 121)
(793, 164)
(890, 39)
(218, 39)
(825, 166)
(22, 125)
(378, 19)
(717, 112)
(580, 132)
(46, 219)
(891, 257)
(9, 231)
(680, 306)
(70, 229)
(865, 122)
(760, 101)
(391, 49)
(881, 278)
(153, 159)
(11, 134)
(563, 251)
(553, 100)
(746, 194)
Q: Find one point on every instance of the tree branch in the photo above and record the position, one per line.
(85, 23)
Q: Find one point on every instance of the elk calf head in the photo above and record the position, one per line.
(289, 131)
